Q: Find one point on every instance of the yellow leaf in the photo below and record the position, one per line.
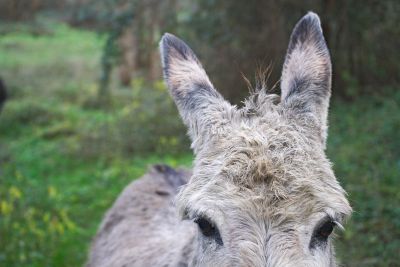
(15, 193)
(5, 207)
(52, 191)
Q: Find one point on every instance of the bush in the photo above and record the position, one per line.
(364, 145)
(147, 123)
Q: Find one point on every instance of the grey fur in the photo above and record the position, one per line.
(260, 174)
(307, 72)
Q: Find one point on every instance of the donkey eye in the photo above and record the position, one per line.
(209, 230)
(322, 233)
(206, 228)
(326, 229)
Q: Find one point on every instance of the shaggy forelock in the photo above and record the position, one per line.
(264, 149)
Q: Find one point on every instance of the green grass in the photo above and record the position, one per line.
(63, 162)
(364, 145)
(57, 176)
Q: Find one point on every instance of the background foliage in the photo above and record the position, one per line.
(87, 111)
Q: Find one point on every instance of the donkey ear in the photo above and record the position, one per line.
(307, 71)
(199, 104)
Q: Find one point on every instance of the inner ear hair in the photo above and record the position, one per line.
(307, 71)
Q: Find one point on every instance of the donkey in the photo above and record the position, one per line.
(262, 191)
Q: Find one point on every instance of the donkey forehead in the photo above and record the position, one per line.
(263, 149)
(271, 167)
(265, 203)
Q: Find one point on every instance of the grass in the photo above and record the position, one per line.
(62, 163)
(56, 180)
(364, 144)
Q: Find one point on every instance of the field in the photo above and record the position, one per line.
(63, 160)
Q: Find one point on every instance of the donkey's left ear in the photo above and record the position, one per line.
(307, 71)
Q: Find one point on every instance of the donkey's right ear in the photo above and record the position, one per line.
(198, 102)
(307, 71)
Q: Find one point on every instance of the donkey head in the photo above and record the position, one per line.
(262, 192)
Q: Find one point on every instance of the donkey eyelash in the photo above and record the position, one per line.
(335, 220)
(339, 225)
(201, 215)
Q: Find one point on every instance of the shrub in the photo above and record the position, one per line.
(147, 123)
